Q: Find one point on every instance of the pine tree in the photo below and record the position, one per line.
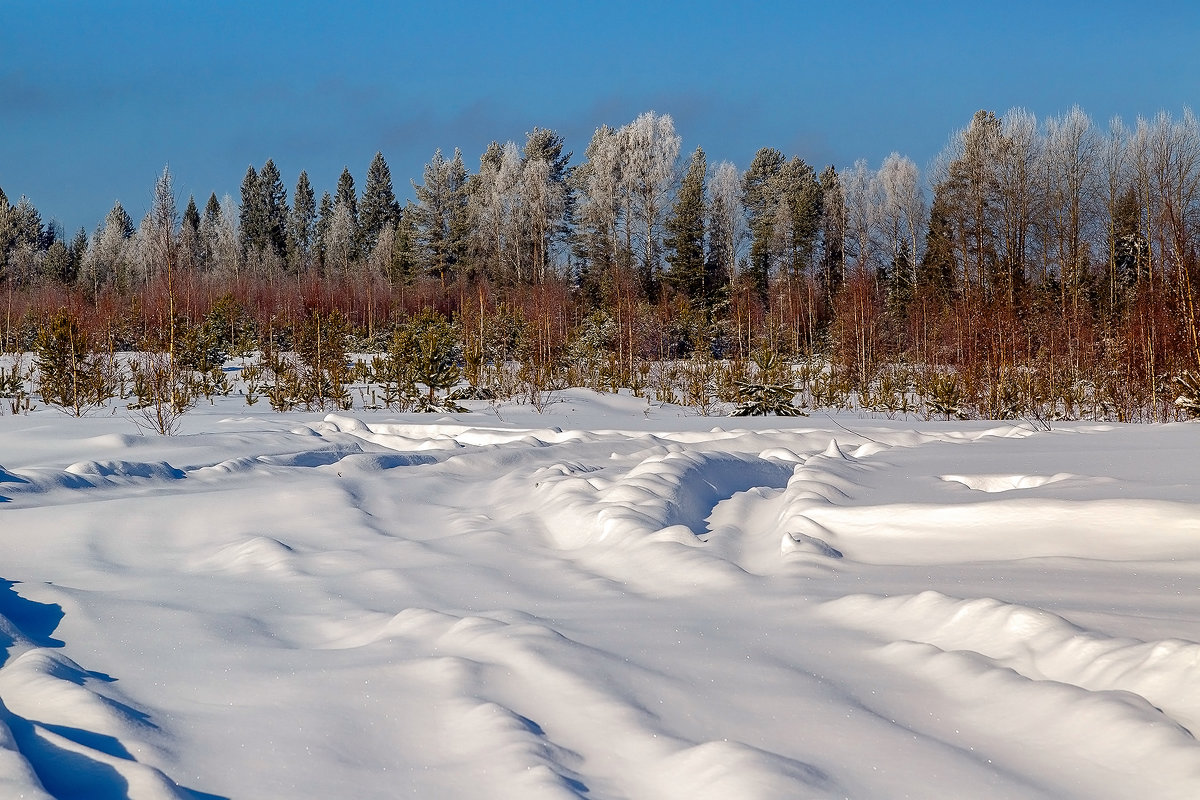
(685, 240)
(799, 196)
(970, 199)
(760, 197)
(379, 206)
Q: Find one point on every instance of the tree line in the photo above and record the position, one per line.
(1036, 267)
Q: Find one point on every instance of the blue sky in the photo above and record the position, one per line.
(95, 97)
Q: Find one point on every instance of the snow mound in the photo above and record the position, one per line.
(1005, 483)
(1039, 645)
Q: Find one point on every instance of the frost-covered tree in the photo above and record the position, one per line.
(1018, 201)
(726, 221)
(442, 221)
(498, 214)
(902, 225)
(209, 224)
(228, 255)
(863, 195)
(340, 244)
(1069, 205)
(548, 196)
(649, 152)
(110, 252)
(301, 229)
(161, 227)
(597, 183)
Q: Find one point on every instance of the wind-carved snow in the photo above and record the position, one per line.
(985, 655)
(602, 601)
(1005, 483)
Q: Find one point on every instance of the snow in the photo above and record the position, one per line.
(606, 600)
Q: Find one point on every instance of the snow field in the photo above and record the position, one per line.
(604, 601)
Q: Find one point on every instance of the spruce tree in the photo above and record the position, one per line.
(347, 196)
(685, 235)
(209, 227)
(832, 265)
(301, 231)
(404, 248)
(191, 244)
(274, 208)
(118, 219)
(191, 215)
(379, 206)
(252, 220)
(324, 218)
(1127, 245)
(56, 264)
(78, 249)
(212, 210)
(937, 270)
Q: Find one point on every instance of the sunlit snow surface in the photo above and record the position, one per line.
(607, 600)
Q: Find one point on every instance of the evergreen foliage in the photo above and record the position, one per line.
(689, 271)
(771, 391)
(70, 374)
(252, 221)
(301, 227)
(274, 210)
(442, 222)
(379, 207)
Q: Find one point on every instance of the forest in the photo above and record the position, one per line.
(1036, 269)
